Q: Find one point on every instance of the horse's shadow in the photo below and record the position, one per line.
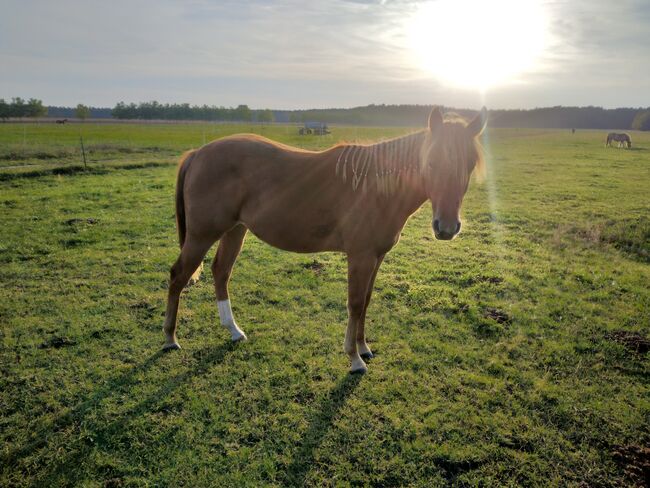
(208, 357)
(78, 413)
(319, 426)
(86, 412)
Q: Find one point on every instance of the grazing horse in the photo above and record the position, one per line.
(622, 139)
(61, 121)
(351, 198)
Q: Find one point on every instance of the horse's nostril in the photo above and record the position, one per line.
(458, 227)
(436, 225)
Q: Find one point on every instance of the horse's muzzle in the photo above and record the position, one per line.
(444, 233)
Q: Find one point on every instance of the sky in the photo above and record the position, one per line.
(333, 53)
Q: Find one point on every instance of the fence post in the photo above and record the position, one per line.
(83, 151)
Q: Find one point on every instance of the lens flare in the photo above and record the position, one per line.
(476, 43)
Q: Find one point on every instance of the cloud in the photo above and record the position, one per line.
(290, 53)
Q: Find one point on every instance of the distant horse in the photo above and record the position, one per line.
(622, 139)
(351, 198)
(61, 121)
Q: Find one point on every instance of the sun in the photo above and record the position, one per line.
(478, 44)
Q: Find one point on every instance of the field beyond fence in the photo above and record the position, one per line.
(515, 355)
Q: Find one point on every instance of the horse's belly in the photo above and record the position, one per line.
(298, 235)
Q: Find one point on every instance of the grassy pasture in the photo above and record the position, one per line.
(32, 147)
(506, 357)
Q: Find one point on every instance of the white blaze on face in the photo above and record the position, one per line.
(478, 43)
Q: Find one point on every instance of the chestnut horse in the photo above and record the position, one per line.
(350, 198)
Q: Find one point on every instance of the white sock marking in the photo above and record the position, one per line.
(228, 321)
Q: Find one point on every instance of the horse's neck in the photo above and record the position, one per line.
(397, 155)
(397, 172)
(386, 166)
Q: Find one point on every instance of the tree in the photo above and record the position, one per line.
(35, 108)
(265, 115)
(82, 112)
(5, 109)
(185, 111)
(641, 120)
(17, 107)
(243, 113)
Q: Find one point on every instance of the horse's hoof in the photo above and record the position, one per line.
(240, 338)
(367, 355)
(174, 346)
(359, 371)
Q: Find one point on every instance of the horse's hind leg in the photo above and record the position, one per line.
(229, 247)
(189, 260)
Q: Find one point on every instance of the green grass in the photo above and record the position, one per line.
(30, 146)
(496, 364)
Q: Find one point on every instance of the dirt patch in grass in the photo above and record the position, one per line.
(72, 243)
(631, 340)
(57, 342)
(499, 316)
(74, 169)
(143, 309)
(116, 148)
(631, 236)
(635, 461)
(41, 155)
(76, 221)
(98, 334)
(315, 266)
(480, 279)
(486, 322)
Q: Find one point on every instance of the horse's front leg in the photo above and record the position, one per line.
(360, 271)
(362, 346)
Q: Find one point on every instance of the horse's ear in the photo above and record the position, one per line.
(476, 126)
(435, 120)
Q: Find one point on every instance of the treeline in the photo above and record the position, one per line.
(71, 112)
(20, 108)
(567, 118)
(396, 115)
(180, 111)
(380, 115)
(416, 115)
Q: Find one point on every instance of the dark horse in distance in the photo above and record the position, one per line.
(622, 139)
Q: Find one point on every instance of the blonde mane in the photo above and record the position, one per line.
(386, 162)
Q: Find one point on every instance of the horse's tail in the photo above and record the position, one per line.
(180, 197)
(180, 205)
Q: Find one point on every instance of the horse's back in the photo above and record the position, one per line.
(251, 179)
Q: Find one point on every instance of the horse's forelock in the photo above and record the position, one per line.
(456, 151)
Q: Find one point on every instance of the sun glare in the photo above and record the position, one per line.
(477, 43)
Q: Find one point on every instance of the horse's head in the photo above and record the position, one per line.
(450, 154)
